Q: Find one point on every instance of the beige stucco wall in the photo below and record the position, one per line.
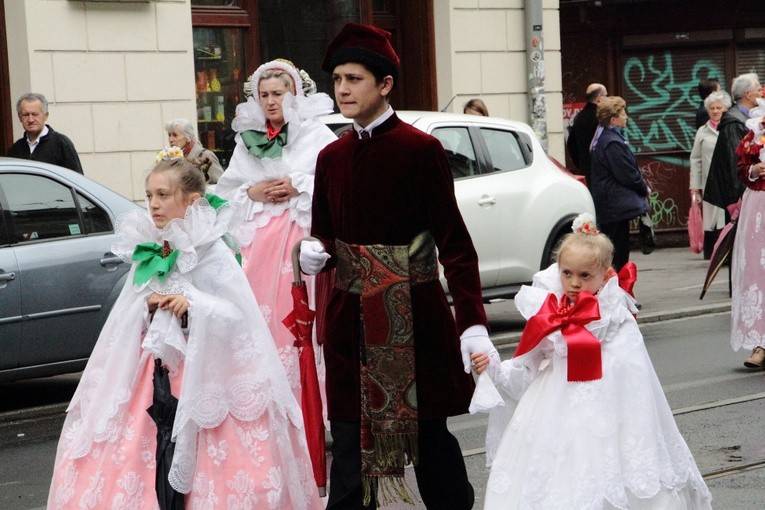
(481, 52)
(113, 72)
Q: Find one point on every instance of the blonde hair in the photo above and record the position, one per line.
(281, 74)
(609, 108)
(598, 245)
(187, 173)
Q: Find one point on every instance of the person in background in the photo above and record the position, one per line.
(397, 359)
(706, 87)
(40, 141)
(748, 257)
(271, 175)
(582, 421)
(618, 189)
(182, 134)
(476, 107)
(701, 155)
(723, 188)
(583, 128)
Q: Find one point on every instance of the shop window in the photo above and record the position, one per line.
(220, 75)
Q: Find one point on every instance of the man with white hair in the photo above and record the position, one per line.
(723, 186)
(40, 141)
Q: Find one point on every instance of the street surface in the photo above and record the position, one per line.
(718, 404)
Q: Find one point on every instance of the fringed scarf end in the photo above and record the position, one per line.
(396, 450)
(390, 488)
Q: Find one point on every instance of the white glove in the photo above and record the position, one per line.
(313, 256)
(475, 339)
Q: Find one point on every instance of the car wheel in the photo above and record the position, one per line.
(562, 228)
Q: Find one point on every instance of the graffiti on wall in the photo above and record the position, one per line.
(662, 100)
(668, 203)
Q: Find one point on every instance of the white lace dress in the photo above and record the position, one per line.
(611, 443)
(238, 431)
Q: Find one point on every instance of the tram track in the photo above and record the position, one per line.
(716, 404)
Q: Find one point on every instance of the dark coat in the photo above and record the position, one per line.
(387, 189)
(702, 116)
(618, 188)
(580, 136)
(723, 186)
(54, 148)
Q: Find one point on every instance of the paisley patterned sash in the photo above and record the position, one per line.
(382, 275)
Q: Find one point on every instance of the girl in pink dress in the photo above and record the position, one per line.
(238, 431)
(271, 176)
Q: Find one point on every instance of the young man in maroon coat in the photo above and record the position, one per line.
(398, 364)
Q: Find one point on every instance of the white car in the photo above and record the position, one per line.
(517, 201)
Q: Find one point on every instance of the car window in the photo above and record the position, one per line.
(459, 150)
(39, 208)
(504, 150)
(94, 219)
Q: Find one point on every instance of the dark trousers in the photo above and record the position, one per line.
(441, 474)
(619, 234)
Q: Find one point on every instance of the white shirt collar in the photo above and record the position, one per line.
(379, 120)
(33, 145)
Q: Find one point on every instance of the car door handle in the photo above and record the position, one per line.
(6, 277)
(487, 200)
(110, 260)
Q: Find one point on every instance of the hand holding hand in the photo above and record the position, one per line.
(313, 256)
(475, 340)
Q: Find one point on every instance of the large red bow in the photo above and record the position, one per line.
(627, 277)
(584, 363)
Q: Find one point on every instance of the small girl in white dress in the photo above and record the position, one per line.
(582, 422)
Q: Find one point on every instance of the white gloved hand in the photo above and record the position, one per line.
(313, 256)
(476, 339)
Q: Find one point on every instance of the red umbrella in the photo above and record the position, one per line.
(300, 323)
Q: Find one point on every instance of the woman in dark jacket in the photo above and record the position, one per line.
(617, 186)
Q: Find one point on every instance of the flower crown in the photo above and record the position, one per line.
(169, 153)
(585, 224)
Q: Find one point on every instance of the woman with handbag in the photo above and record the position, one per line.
(618, 189)
(713, 217)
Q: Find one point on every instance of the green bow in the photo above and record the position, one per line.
(215, 201)
(260, 146)
(151, 262)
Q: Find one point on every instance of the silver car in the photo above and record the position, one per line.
(516, 200)
(58, 277)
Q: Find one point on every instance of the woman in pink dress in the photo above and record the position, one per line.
(271, 175)
(748, 264)
(238, 432)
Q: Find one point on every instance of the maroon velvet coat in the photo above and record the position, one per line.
(386, 190)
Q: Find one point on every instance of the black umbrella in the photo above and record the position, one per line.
(162, 411)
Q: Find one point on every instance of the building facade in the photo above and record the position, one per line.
(653, 53)
(115, 71)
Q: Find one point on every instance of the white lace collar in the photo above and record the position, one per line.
(612, 299)
(201, 226)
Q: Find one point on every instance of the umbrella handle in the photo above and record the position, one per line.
(296, 259)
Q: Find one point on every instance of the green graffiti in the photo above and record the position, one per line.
(658, 173)
(662, 105)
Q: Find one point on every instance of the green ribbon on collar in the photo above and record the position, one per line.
(260, 146)
(152, 261)
(215, 201)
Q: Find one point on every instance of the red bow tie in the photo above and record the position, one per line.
(584, 362)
